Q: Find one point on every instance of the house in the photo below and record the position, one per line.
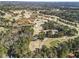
(54, 32)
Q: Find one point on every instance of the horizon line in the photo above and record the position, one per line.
(35, 1)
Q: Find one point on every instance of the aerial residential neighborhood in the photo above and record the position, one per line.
(39, 29)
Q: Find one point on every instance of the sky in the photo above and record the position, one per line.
(45, 0)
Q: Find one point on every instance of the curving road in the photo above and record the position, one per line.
(38, 44)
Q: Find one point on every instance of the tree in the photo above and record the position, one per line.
(22, 13)
(20, 48)
(2, 14)
(49, 34)
(41, 35)
(61, 51)
(3, 51)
